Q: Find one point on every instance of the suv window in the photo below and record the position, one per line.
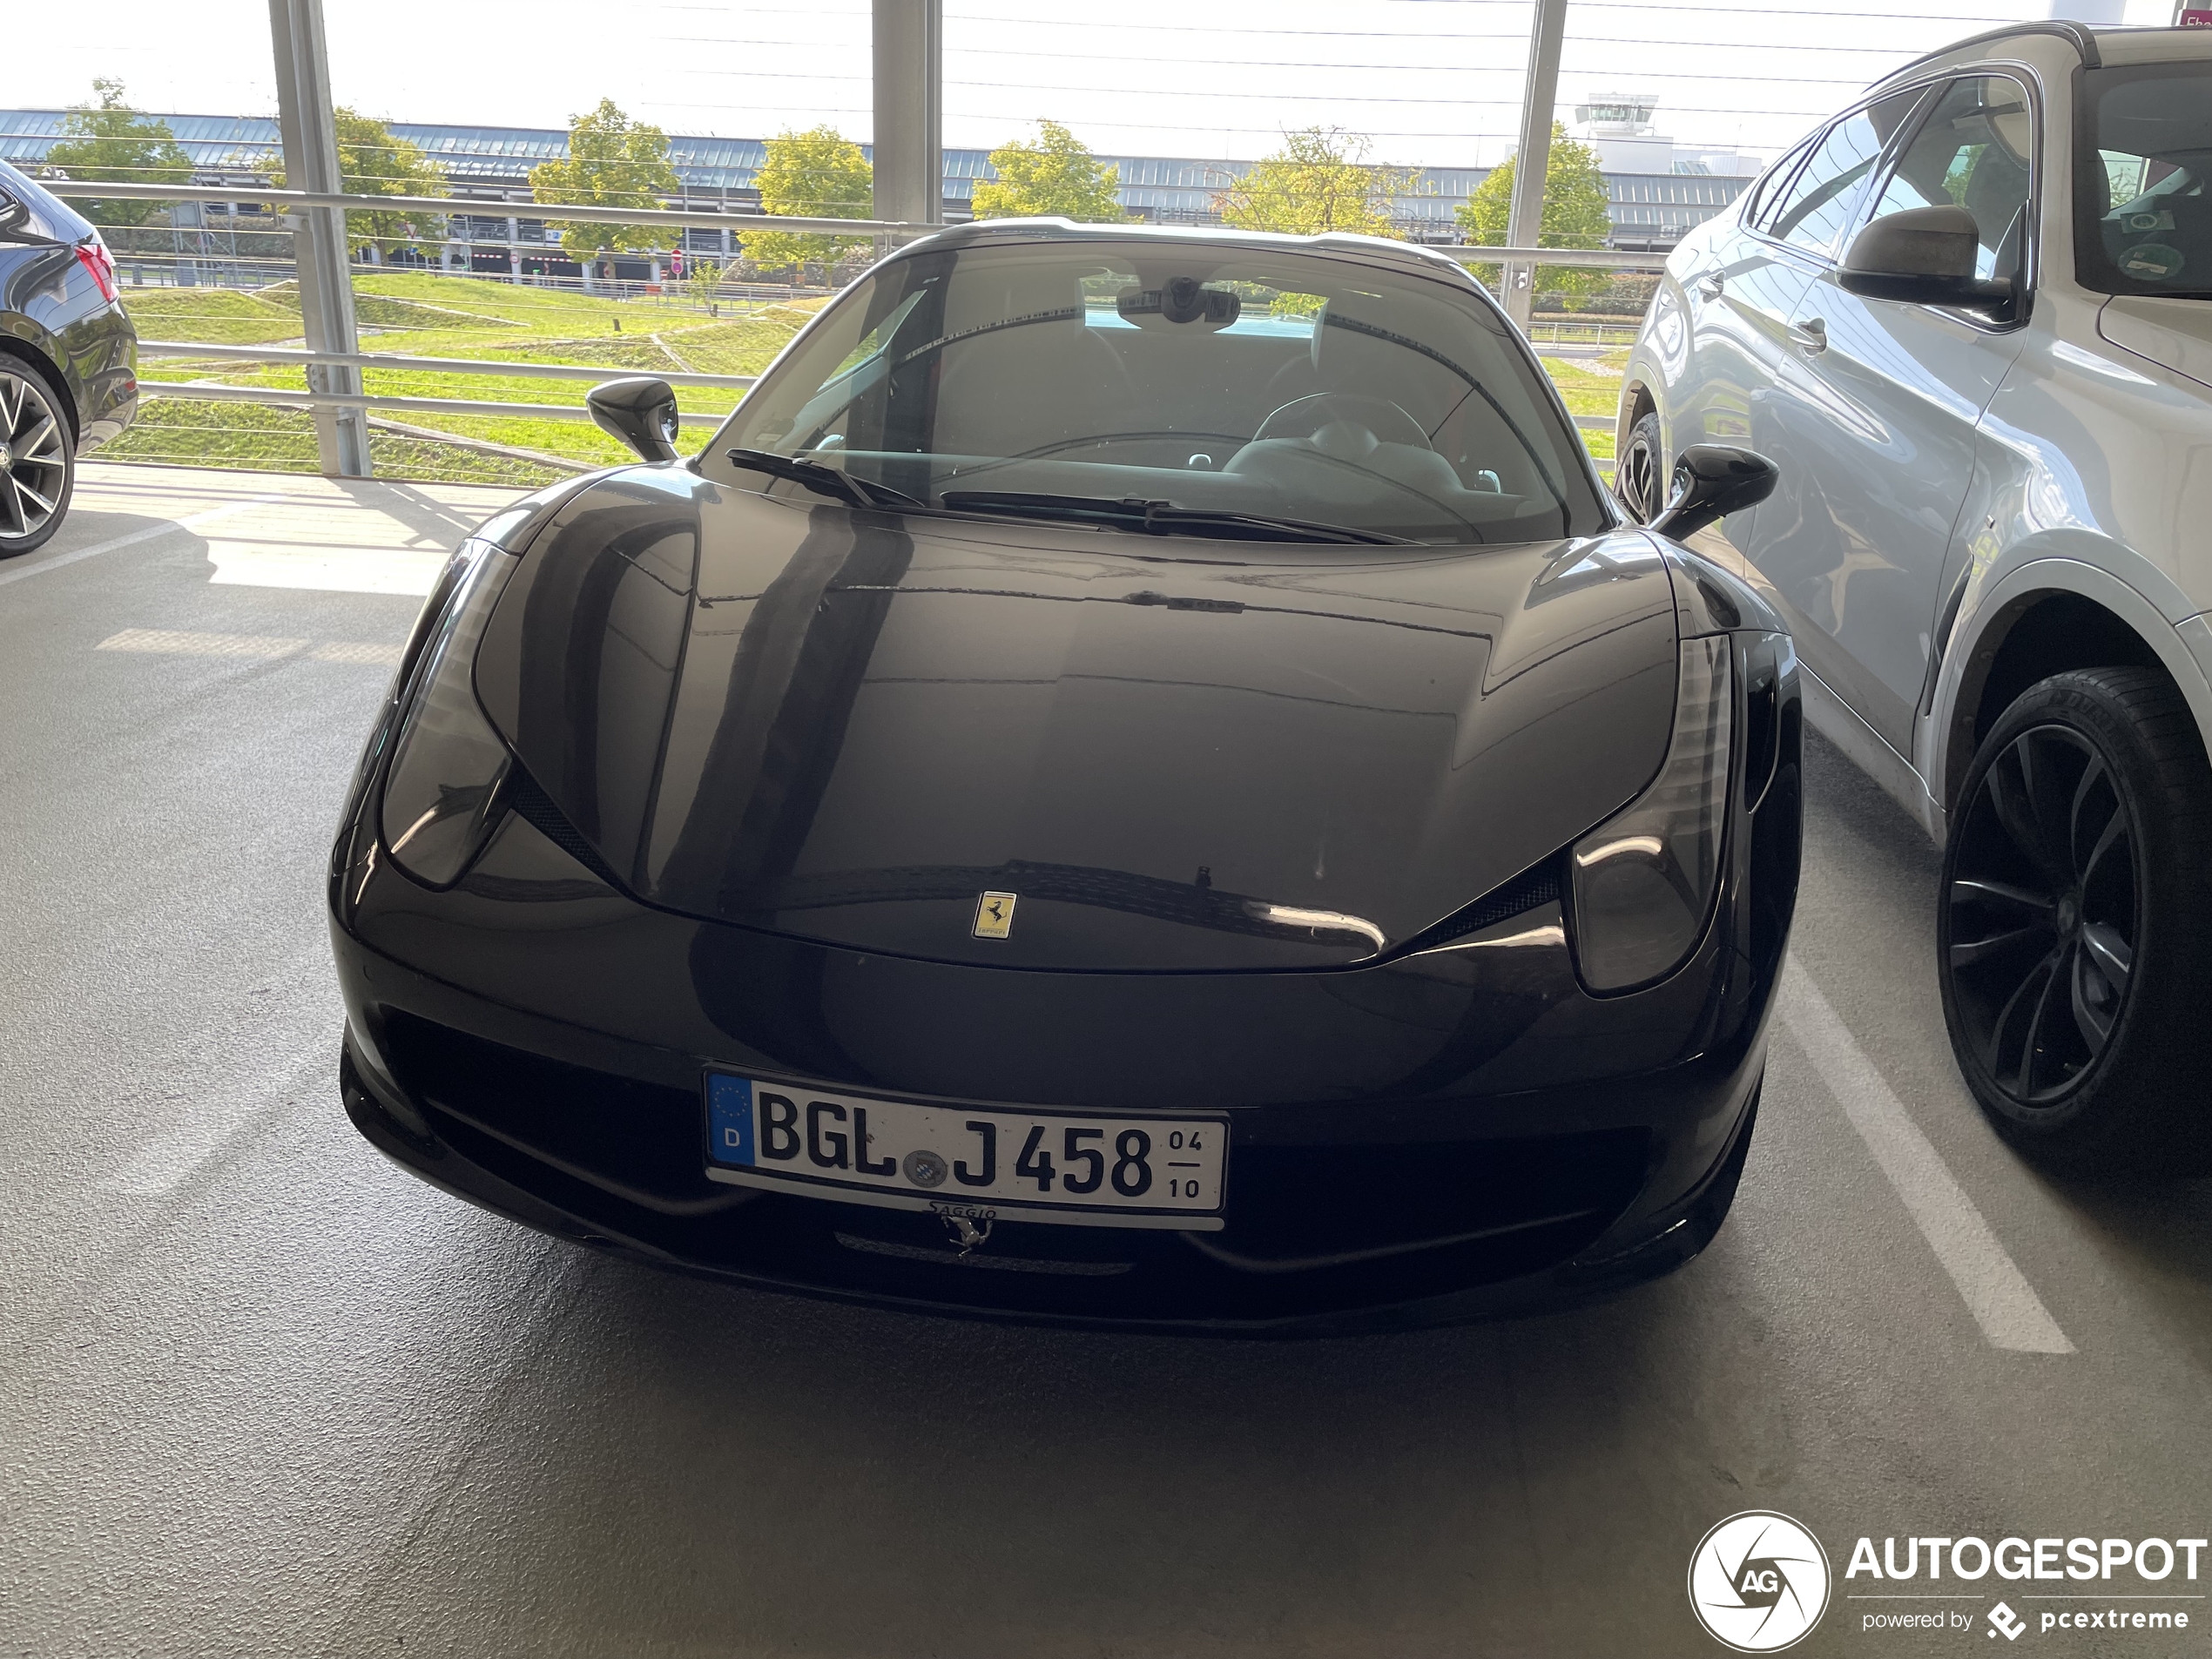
(1974, 153)
(1824, 197)
(1771, 189)
(2143, 220)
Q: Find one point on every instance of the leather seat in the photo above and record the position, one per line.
(1035, 379)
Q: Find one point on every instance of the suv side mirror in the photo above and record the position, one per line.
(1710, 481)
(639, 411)
(1924, 256)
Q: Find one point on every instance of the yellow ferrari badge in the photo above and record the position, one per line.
(994, 915)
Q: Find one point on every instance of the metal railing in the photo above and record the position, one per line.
(884, 232)
(431, 365)
(446, 206)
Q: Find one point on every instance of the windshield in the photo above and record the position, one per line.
(1216, 380)
(2145, 225)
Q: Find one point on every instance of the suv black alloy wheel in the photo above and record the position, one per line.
(1637, 478)
(2075, 927)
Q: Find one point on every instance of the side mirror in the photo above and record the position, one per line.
(1710, 481)
(639, 411)
(1924, 256)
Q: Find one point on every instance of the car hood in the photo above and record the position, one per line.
(1175, 754)
(2175, 333)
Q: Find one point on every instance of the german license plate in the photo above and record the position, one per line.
(1075, 1168)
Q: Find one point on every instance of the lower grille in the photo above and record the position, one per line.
(1309, 1229)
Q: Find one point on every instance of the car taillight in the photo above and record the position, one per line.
(92, 255)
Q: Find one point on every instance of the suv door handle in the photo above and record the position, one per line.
(1809, 336)
(1711, 285)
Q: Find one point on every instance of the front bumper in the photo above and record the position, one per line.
(1453, 1136)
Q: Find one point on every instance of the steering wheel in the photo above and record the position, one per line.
(1302, 417)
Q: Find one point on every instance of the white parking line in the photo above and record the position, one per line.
(190, 522)
(170, 642)
(1999, 1296)
(184, 1132)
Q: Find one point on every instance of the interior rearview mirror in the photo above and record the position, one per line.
(1710, 481)
(1180, 300)
(1924, 256)
(639, 411)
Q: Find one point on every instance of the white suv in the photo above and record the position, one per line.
(1971, 320)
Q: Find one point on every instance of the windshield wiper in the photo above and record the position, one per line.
(1163, 517)
(824, 481)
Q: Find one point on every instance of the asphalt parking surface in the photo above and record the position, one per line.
(260, 1392)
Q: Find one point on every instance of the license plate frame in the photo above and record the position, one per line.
(751, 1119)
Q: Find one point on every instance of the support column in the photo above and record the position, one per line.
(185, 220)
(909, 108)
(320, 246)
(1525, 225)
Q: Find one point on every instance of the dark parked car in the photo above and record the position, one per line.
(68, 357)
(1140, 777)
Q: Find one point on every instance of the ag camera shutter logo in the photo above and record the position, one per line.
(1758, 1581)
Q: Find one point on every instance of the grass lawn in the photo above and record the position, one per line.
(1591, 386)
(185, 433)
(421, 314)
(228, 316)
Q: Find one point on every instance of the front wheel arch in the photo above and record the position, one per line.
(1636, 401)
(2126, 628)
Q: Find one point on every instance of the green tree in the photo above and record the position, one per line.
(1319, 180)
(612, 162)
(112, 143)
(1576, 215)
(1054, 176)
(815, 174)
(373, 161)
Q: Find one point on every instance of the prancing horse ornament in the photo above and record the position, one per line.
(993, 915)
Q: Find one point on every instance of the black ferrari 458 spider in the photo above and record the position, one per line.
(1139, 779)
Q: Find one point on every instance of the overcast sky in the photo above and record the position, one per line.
(1436, 82)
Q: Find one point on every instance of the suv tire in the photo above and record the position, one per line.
(1640, 473)
(2075, 925)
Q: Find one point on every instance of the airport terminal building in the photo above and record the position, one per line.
(1652, 208)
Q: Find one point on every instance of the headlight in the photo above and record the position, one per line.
(450, 768)
(1644, 879)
